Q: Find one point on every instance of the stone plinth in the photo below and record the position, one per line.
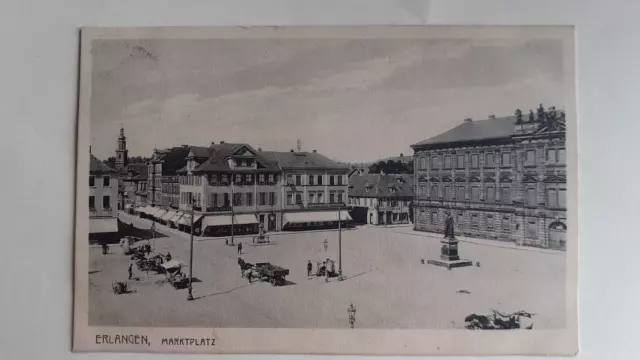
(449, 256)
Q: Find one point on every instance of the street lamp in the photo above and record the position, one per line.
(340, 276)
(190, 296)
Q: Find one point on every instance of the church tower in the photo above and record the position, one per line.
(122, 152)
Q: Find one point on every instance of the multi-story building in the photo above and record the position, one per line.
(381, 199)
(234, 186)
(103, 195)
(129, 180)
(501, 178)
(164, 165)
(314, 190)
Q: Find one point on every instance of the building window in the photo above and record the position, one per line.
(434, 192)
(340, 180)
(92, 181)
(331, 181)
(423, 162)
(447, 162)
(475, 193)
(332, 197)
(262, 198)
(562, 198)
(506, 224)
(531, 197)
(271, 179)
(249, 179)
(460, 220)
(505, 197)
(447, 192)
(561, 156)
(298, 199)
(237, 199)
(340, 197)
(92, 202)
(490, 161)
(312, 198)
(214, 200)
(491, 194)
(106, 202)
(460, 196)
(225, 179)
(474, 160)
(551, 156)
(106, 181)
(249, 199)
(321, 198)
(434, 162)
(474, 221)
(272, 198)
(311, 179)
(489, 222)
(434, 218)
(238, 179)
(532, 230)
(531, 158)
(289, 199)
(460, 162)
(226, 199)
(552, 198)
(298, 180)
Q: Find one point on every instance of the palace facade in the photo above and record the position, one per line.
(501, 178)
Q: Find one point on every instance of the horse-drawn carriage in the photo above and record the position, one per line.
(127, 244)
(271, 273)
(175, 276)
(119, 287)
(152, 262)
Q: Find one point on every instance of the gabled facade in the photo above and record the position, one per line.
(103, 197)
(501, 178)
(381, 199)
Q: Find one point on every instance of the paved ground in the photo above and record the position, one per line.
(386, 282)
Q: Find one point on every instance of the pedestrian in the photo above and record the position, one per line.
(249, 276)
(130, 271)
(239, 247)
(326, 245)
(309, 268)
(168, 256)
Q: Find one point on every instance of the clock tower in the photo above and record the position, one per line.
(122, 152)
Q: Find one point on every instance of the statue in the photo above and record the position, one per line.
(531, 119)
(448, 227)
(518, 114)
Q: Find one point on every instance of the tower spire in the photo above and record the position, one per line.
(122, 158)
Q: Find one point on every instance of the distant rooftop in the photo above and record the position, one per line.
(303, 160)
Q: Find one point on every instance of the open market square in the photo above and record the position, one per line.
(386, 282)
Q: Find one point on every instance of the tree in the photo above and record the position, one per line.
(391, 167)
(110, 162)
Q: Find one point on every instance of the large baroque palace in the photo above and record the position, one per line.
(501, 178)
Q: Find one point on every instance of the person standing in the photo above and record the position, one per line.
(130, 271)
(309, 268)
(326, 245)
(239, 247)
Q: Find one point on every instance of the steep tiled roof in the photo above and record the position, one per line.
(474, 130)
(96, 166)
(200, 152)
(172, 159)
(218, 161)
(303, 160)
(379, 186)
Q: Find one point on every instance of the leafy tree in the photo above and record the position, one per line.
(391, 167)
(110, 162)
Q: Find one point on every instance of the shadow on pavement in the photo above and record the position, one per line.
(223, 292)
(362, 273)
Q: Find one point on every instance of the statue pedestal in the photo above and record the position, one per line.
(449, 257)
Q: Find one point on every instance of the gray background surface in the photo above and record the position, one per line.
(38, 95)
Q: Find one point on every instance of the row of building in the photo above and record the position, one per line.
(501, 178)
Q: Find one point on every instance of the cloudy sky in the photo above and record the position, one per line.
(352, 100)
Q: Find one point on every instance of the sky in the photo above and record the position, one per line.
(353, 100)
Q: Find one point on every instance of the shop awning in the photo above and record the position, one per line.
(186, 219)
(216, 220)
(139, 209)
(103, 225)
(153, 211)
(315, 216)
(176, 217)
(168, 215)
(160, 214)
(245, 219)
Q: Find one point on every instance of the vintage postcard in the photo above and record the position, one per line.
(327, 190)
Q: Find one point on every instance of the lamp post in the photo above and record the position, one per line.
(190, 296)
(340, 276)
(352, 315)
(233, 200)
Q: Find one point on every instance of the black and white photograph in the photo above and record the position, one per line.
(327, 190)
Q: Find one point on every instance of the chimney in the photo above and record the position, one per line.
(291, 150)
(221, 142)
(468, 120)
(314, 151)
(213, 143)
